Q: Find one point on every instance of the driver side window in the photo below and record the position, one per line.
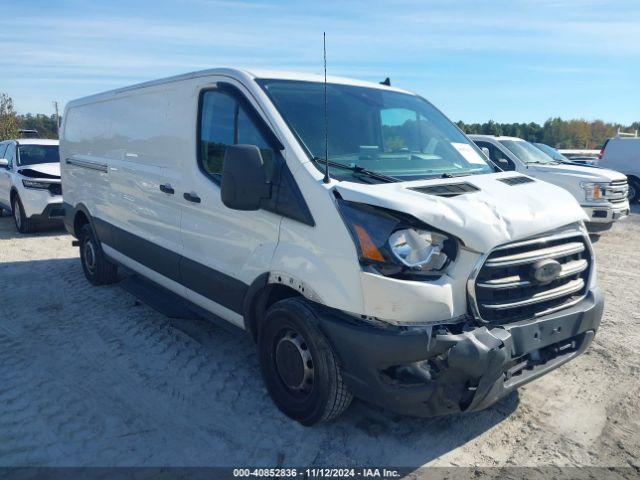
(10, 155)
(497, 156)
(224, 122)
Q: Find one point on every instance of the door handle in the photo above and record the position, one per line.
(192, 197)
(167, 188)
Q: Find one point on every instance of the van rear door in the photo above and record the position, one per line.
(224, 249)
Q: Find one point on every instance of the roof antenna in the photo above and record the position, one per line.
(386, 81)
(326, 116)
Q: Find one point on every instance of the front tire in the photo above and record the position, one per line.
(299, 366)
(634, 190)
(97, 268)
(23, 223)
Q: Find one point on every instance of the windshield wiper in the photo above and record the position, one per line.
(357, 169)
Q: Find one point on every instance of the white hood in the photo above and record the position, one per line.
(583, 174)
(46, 168)
(499, 213)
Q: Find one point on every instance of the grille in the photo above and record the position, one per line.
(505, 289)
(55, 189)
(448, 190)
(616, 192)
(516, 180)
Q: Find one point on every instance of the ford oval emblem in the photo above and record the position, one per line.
(546, 271)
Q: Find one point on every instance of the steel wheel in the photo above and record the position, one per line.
(294, 363)
(89, 256)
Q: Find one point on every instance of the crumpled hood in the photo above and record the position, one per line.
(585, 174)
(46, 168)
(496, 214)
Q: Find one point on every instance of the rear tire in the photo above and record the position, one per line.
(97, 268)
(634, 190)
(23, 223)
(299, 366)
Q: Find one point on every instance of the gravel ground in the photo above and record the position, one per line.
(91, 377)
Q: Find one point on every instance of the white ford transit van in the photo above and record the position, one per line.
(601, 192)
(623, 153)
(415, 276)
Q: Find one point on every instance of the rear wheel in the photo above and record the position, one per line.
(23, 223)
(97, 268)
(298, 364)
(634, 190)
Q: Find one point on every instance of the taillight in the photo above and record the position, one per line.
(601, 153)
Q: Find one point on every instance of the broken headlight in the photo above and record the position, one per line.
(395, 244)
(35, 184)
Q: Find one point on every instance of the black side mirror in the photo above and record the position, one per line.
(244, 181)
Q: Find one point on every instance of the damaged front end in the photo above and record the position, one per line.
(461, 367)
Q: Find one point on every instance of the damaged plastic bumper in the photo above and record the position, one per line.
(53, 212)
(435, 371)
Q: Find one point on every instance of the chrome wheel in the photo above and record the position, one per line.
(294, 362)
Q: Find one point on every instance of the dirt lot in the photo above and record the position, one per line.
(89, 376)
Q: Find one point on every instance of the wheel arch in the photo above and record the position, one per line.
(262, 293)
(81, 216)
(13, 194)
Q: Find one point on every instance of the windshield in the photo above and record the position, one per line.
(400, 136)
(552, 152)
(526, 152)
(34, 154)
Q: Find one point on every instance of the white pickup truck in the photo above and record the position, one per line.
(601, 193)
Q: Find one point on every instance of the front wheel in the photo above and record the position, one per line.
(634, 190)
(97, 268)
(298, 364)
(23, 223)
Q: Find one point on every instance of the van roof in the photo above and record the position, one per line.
(239, 74)
(34, 141)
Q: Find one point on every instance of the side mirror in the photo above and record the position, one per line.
(486, 152)
(244, 180)
(4, 163)
(504, 164)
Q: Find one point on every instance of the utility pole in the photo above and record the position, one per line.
(55, 105)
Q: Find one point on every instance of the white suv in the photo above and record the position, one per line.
(30, 182)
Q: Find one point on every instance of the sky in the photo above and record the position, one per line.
(507, 61)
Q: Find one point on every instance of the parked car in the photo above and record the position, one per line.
(28, 133)
(623, 153)
(559, 157)
(405, 269)
(602, 193)
(30, 185)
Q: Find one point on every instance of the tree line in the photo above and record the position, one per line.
(558, 133)
(11, 123)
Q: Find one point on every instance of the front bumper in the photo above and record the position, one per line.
(53, 212)
(38, 203)
(604, 215)
(429, 372)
